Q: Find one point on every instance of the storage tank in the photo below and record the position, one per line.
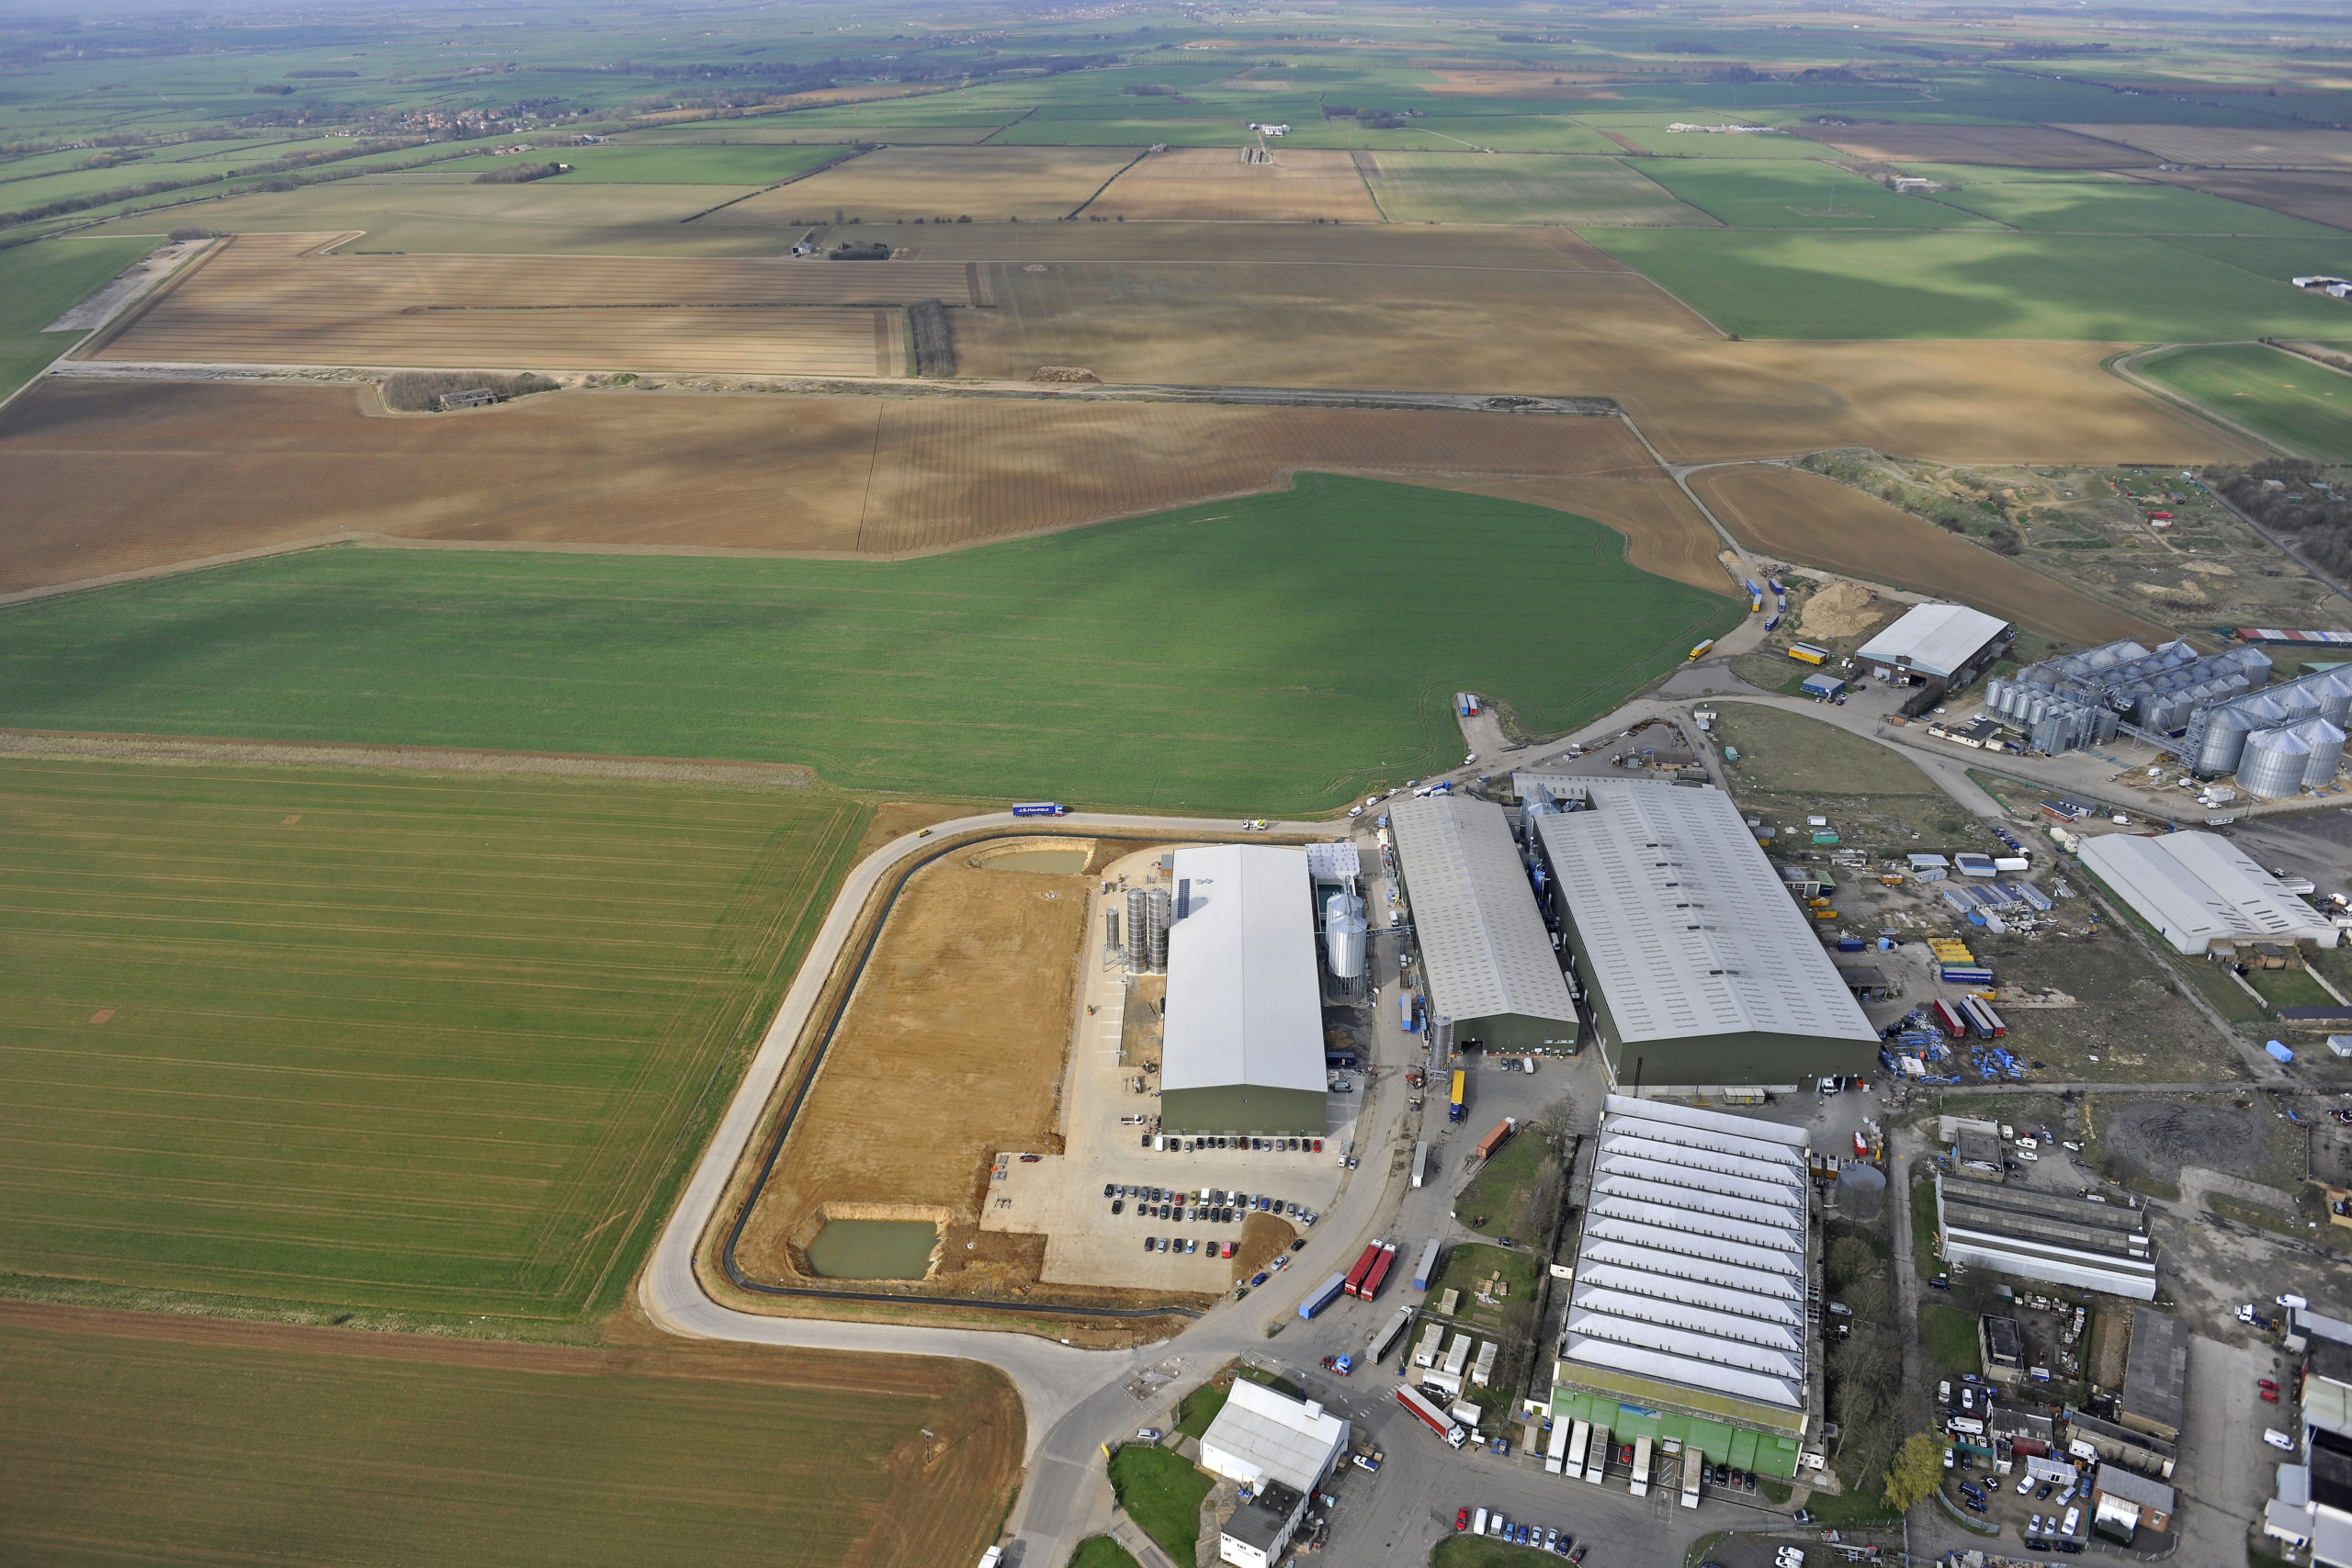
(1138, 933)
(2225, 733)
(2326, 741)
(1155, 909)
(1344, 934)
(2334, 690)
(2273, 763)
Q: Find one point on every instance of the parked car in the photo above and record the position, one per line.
(1461, 1518)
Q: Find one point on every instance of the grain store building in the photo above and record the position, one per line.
(1700, 975)
(1487, 961)
(1242, 1049)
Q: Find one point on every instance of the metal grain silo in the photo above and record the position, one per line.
(2273, 763)
(1344, 934)
(1138, 933)
(2326, 741)
(1155, 909)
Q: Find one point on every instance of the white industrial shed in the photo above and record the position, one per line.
(2054, 1238)
(1699, 970)
(1691, 1273)
(1944, 642)
(1487, 956)
(2198, 888)
(1242, 1050)
(1262, 1436)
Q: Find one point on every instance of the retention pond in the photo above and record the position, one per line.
(873, 1249)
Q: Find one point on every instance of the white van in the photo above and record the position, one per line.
(2278, 1439)
(1478, 1523)
(2074, 1517)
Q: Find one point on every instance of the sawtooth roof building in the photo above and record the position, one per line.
(1688, 1318)
(1700, 972)
(2200, 889)
(1487, 962)
(1242, 1048)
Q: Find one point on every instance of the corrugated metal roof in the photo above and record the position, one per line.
(1484, 948)
(1684, 923)
(2135, 1487)
(1692, 1267)
(1244, 1002)
(2196, 887)
(1334, 861)
(1936, 639)
(1260, 1433)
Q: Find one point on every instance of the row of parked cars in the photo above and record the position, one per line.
(1168, 1143)
(1542, 1537)
(1210, 1205)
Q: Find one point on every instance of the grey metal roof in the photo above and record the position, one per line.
(1683, 922)
(1334, 861)
(2155, 1373)
(2135, 1487)
(1262, 1433)
(1245, 1005)
(1691, 1269)
(1935, 638)
(1484, 948)
(2197, 887)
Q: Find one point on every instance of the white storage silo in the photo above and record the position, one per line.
(2273, 763)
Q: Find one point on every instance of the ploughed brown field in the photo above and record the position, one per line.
(2011, 146)
(988, 185)
(270, 298)
(1213, 184)
(151, 1438)
(1815, 520)
(2321, 196)
(2230, 147)
(124, 476)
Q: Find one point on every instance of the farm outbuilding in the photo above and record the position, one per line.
(1487, 956)
(1242, 1051)
(1700, 972)
(1951, 643)
(2199, 889)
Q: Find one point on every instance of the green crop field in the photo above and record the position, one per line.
(1196, 658)
(40, 281)
(2302, 405)
(750, 165)
(2092, 205)
(1973, 284)
(123, 1444)
(1793, 195)
(337, 1037)
(1464, 187)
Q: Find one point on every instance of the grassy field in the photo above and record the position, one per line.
(2298, 402)
(1789, 753)
(1791, 194)
(1102, 1551)
(1198, 658)
(1482, 1552)
(1161, 1490)
(318, 1038)
(1503, 1192)
(1973, 284)
(1464, 187)
(125, 1440)
(2090, 203)
(39, 282)
(751, 165)
(1949, 1336)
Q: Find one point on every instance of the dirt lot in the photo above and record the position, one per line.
(898, 185)
(266, 298)
(2321, 198)
(952, 1051)
(130, 476)
(2156, 1138)
(1820, 523)
(1213, 184)
(2224, 147)
(2011, 146)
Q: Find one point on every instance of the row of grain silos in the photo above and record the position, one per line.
(2278, 762)
(2218, 734)
(1148, 931)
(2054, 721)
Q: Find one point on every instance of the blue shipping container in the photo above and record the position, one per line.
(1325, 1294)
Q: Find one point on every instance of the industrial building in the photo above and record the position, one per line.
(2199, 889)
(2081, 699)
(2124, 1502)
(1950, 643)
(2156, 1375)
(1242, 1048)
(1487, 962)
(1698, 971)
(1688, 1318)
(2044, 1235)
(2313, 1505)
(1279, 1449)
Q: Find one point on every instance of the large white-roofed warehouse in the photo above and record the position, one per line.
(1689, 1318)
(1242, 1050)
(1487, 962)
(1701, 974)
(1951, 643)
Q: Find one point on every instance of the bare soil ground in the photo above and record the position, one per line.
(1352, 245)
(2321, 196)
(898, 185)
(266, 299)
(2157, 1138)
(126, 476)
(1213, 184)
(952, 1051)
(1817, 522)
(2011, 146)
(2225, 147)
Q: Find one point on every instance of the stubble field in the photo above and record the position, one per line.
(1008, 670)
(902, 184)
(1805, 517)
(104, 469)
(1465, 187)
(2017, 146)
(1211, 185)
(139, 1437)
(335, 1037)
(951, 1052)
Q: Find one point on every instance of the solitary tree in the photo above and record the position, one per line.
(1917, 1466)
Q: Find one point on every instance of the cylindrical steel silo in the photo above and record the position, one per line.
(2326, 741)
(2273, 763)
(2225, 733)
(1154, 907)
(1345, 935)
(1139, 932)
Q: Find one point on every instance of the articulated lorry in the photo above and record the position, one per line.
(1437, 1420)
(1456, 1104)
(1378, 1274)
